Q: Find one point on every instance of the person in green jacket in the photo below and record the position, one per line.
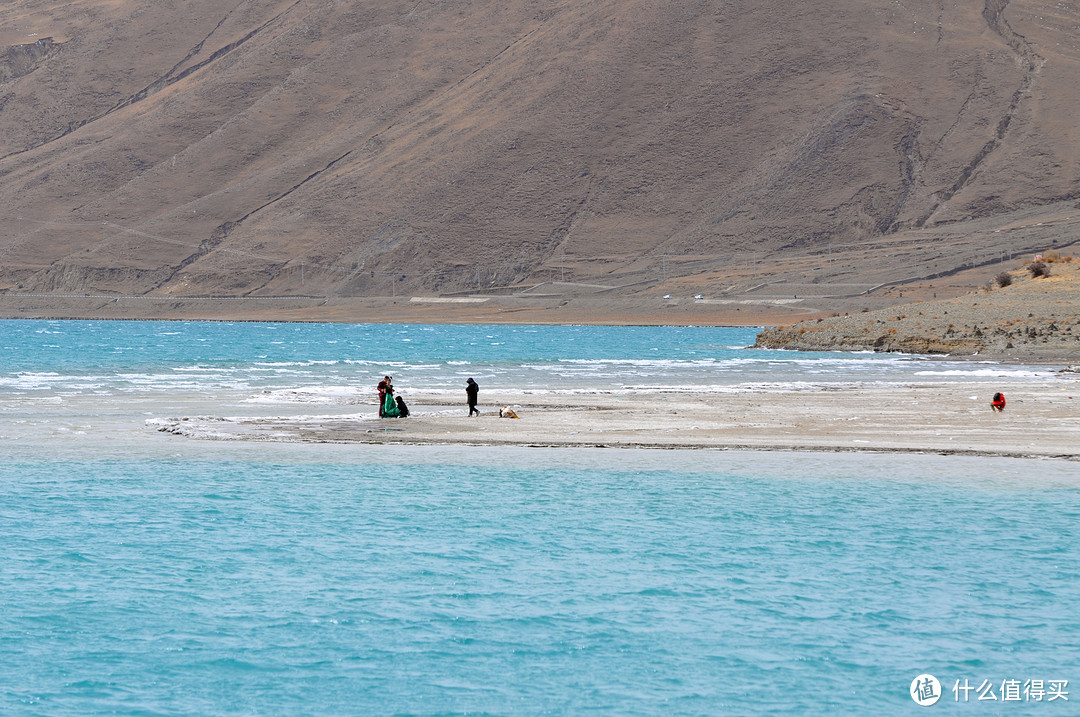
(390, 407)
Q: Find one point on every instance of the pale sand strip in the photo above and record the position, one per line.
(1042, 419)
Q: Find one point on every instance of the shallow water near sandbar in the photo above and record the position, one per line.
(146, 574)
(513, 581)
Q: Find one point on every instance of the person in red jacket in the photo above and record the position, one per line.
(385, 387)
(998, 402)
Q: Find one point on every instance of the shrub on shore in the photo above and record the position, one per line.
(1054, 256)
(1039, 269)
(1003, 279)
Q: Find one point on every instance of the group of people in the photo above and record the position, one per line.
(391, 406)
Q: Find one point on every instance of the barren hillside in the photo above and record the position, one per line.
(338, 148)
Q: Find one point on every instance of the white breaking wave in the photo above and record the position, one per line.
(313, 362)
(641, 362)
(313, 394)
(983, 372)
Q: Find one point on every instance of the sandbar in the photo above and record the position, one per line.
(1041, 419)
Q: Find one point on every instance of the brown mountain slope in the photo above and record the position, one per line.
(368, 148)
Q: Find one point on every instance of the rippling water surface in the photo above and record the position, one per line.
(335, 361)
(143, 575)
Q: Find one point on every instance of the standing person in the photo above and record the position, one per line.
(389, 407)
(384, 388)
(471, 390)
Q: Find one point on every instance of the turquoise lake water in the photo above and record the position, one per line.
(146, 574)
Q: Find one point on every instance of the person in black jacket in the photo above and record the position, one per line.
(471, 390)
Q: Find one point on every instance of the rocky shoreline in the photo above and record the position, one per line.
(1029, 318)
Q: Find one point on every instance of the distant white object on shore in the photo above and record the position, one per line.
(448, 299)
